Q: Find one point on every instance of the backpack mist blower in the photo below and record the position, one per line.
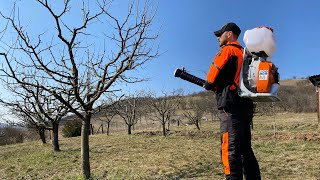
(259, 77)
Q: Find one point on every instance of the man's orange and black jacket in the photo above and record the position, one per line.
(224, 75)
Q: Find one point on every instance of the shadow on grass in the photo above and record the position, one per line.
(199, 170)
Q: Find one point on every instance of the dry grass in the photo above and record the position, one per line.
(293, 153)
(293, 82)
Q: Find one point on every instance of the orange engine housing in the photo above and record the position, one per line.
(266, 76)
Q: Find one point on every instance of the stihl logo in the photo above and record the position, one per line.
(263, 74)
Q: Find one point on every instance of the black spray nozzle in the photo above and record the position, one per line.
(188, 77)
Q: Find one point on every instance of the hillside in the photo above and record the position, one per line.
(294, 82)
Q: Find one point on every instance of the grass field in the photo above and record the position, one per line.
(290, 152)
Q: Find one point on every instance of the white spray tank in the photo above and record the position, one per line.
(260, 39)
(259, 77)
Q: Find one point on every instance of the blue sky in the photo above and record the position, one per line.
(186, 36)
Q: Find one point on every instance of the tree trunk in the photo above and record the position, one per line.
(55, 139)
(102, 128)
(85, 131)
(198, 126)
(164, 129)
(129, 129)
(91, 128)
(108, 128)
(42, 135)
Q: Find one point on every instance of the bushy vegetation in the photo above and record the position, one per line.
(72, 128)
(10, 135)
(299, 98)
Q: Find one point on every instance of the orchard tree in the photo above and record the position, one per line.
(196, 112)
(25, 112)
(164, 107)
(108, 112)
(83, 51)
(128, 110)
(37, 109)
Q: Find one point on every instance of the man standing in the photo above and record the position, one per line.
(235, 113)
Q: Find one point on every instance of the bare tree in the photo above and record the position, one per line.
(196, 111)
(194, 117)
(206, 103)
(128, 110)
(72, 56)
(164, 107)
(37, 109)
(108, 114)
(145, 110)
(29, 118)
(24, 107)
(52, 110)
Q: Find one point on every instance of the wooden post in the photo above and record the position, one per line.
(315, 80)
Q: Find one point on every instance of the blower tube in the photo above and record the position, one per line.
(188, 77)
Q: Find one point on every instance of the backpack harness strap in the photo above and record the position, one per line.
(239, 47)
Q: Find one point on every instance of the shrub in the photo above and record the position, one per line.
(72, 128)
(10, 135)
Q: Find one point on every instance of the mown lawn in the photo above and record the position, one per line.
(292, 152)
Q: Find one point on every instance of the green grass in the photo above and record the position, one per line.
(293, 153)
